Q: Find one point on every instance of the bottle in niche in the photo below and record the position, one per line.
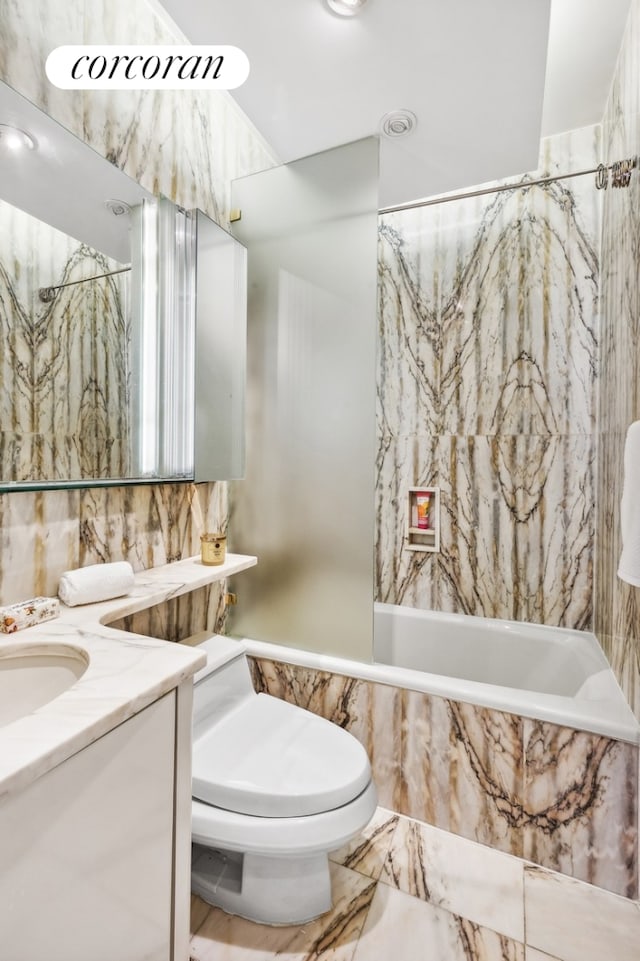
(422, 510)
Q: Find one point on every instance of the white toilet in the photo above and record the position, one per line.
(275, 789)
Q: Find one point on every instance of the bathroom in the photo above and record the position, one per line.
(45, 533)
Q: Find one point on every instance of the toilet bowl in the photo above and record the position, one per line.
(275, 788)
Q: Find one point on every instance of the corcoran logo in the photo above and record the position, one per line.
(131, 67)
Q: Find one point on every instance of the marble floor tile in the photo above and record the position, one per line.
(223, 937)
(468, 879)
(368, 851)
(199, 912)
(531, 954)
(578, 922)
(405, 928)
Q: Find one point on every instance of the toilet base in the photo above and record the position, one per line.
(271, 890)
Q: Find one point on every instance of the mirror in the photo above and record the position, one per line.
(97, 318)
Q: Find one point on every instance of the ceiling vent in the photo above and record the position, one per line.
(398, 123)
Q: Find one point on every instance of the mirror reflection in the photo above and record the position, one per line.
(78, 359)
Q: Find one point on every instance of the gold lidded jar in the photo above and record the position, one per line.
(213, 548)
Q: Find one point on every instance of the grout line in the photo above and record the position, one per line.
(364, 921)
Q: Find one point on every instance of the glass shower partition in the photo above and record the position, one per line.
(306, 505)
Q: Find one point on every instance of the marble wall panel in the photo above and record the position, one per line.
(45, 533)
(516, 526)
(562, 798)
(29, 32)
(39, 540)
(488, 341)
(486, 772)
(187, 145)
(196, 132)
(581, 805)
(150, 524)
(617, 604)
(177, 619)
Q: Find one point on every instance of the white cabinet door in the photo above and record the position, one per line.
(86, 851)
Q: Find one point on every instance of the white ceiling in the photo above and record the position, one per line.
(584, 41)
(472, 73)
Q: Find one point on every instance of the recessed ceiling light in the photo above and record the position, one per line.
(346, 8)
(398, 123)
(15, 139)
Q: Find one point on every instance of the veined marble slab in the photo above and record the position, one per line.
(488, 316)
(126, 672)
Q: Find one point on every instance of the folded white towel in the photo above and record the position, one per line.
(629, 567)
(98, 582)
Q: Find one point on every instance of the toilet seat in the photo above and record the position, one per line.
(269, 759)
(303, 836)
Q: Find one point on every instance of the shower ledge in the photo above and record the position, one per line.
(127, 672)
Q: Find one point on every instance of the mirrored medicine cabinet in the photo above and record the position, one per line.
(123, 322)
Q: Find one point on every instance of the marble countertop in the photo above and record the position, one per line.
(126, 672)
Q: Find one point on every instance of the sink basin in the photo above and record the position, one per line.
(31, 675)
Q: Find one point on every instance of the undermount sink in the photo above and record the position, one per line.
(31, 675)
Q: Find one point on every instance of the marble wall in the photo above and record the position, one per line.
(561, 798)
(64, 365)
(617, 604)
(487, 385)
(187, 145)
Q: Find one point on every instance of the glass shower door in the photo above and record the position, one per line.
(306, 505)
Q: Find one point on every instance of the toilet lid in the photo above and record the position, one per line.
(273, 759)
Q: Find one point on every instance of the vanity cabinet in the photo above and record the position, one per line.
(95, 854)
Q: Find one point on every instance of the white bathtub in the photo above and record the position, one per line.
(550, 674)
